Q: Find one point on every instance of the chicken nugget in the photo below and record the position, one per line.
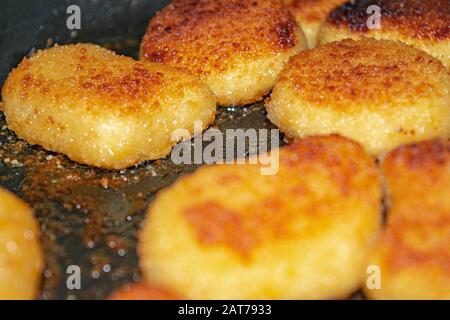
(380, 93)
(237, 47)
(21, 260)
(228, 232)
(100, 108)
(420, 23)
(413, 254)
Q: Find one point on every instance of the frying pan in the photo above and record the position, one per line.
(89, 217)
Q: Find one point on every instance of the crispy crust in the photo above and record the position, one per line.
(416, 18)
(381, 93)
(21, 257)
(349, 73)
(219, 39)
(100, 108)
(232, 227)
(427, 160)
(414, 251)
(422, 24)
(214, 224)
(205, 36)
(85, 71)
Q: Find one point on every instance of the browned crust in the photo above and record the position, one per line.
(271, 217)
(209, 35)
(400, 254)
(427, 162)
(418, 230)
(113, 95)
(349, 72)
(427, 155)
(216, 225)
(423, 19)
(86, 70)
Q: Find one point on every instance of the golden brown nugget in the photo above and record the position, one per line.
(21, 260)
(100, 108)
(421, 23)
(380, 93)
(237, 47)
(228, 232)
(414, 251)
(311, 14)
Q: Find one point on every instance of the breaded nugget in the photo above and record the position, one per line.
(311, 14)
(421, 23)
(21, 259)
(414, 251)
(228, 232)
(100, 108)
(380, 93)
(143, 292)
(237, 47)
